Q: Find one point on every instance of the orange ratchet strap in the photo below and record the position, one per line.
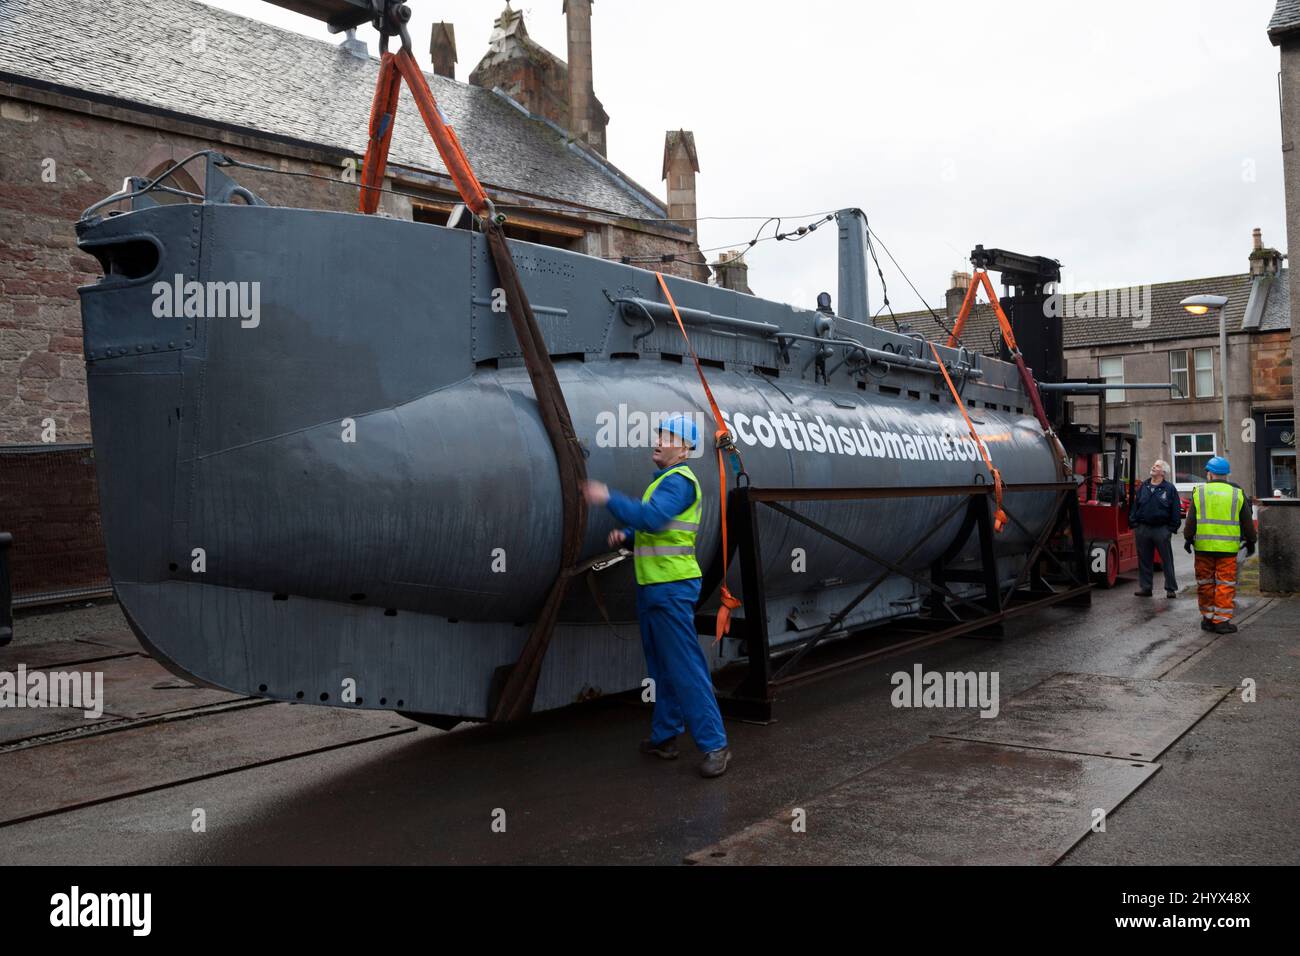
(723, 442)
(999, 516)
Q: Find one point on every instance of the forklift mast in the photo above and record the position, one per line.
(1039, 335)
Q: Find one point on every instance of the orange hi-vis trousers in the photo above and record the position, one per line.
(1216, 584)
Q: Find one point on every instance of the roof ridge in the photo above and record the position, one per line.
(319, 94)
(222, 11)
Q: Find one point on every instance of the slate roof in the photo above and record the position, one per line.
(1277, 310)
(259, 77)
(1169, 319)
(1286, 19)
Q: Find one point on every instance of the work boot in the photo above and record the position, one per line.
(1207, 624)
(1145, 592)
(1171, 594)
(715, 763)
(1225, 627)
(667, 749)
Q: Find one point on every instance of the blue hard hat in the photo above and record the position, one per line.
(682, 427)
(1218, 465)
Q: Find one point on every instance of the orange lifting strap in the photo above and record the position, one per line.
(981, 277)
(394, 67)
(517, 691)
(999, 516)
(723, 442)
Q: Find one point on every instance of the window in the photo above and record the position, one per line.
(1178, 373)
(179, 179)
(543, 233)
(1204, 373)
(1282, 471)
(1192, 452)
(1111, 370)
(1108, 466)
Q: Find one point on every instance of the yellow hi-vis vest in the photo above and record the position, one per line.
(1218, 517)
(669, 554)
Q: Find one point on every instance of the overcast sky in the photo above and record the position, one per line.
(1136, 142)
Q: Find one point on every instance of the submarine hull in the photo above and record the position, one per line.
(322, 468)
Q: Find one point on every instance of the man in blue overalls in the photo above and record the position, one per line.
(663, 525)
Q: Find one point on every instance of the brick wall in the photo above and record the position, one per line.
(50, 503)
(1271, 366)
(54, 163)
(539, 86)
(625, 242)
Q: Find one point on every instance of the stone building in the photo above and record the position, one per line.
(563, 93)
(1284, 32)
(91, 93)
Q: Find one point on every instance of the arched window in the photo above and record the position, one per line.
(179, 179)
(160, 158)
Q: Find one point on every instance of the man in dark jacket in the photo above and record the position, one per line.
(1156, 513)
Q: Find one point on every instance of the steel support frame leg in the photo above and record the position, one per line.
(752, 700)
(1079, 555)
(979, 505)
(934, 601)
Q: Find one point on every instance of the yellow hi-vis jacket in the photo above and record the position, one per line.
(669, 554)
(1218, 517)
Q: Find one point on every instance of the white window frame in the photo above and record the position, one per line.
(1185, 390)
(1197, 370)
(1114, 396)
(1174, 455)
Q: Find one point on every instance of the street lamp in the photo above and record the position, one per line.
(1199, 305)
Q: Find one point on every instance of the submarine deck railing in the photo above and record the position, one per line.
(949, 614)
(648, 309)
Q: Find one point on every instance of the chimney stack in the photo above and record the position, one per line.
(680, 166)
(956, 293)
(582, 90)
(731, 272)
(442, 48)
(1263, 260)
(354, 46)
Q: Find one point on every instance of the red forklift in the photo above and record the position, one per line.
(1104, 460)
(1105, 495)
(1105, 467)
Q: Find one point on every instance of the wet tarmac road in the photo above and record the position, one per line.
(570, 786)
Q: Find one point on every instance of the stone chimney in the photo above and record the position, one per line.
(956, 293)
(731, 272)
(354, 46)
(584, 123)
(1263, 261)
(680, 166)
(442, 48)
